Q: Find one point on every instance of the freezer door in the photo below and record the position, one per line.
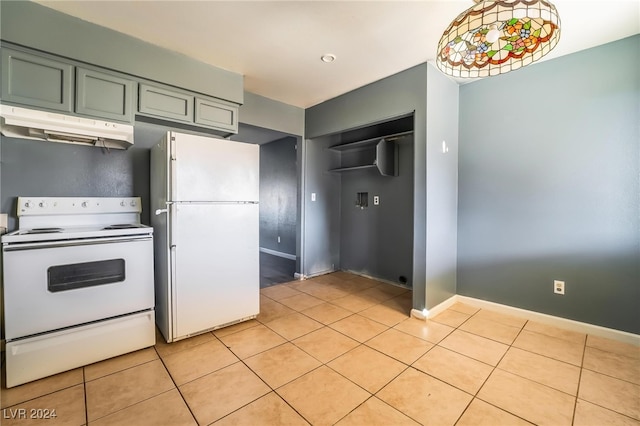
(216, 268)
(209, 169)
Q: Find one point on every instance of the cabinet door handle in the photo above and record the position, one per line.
(160, 211)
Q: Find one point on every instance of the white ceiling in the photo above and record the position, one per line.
(276, 45)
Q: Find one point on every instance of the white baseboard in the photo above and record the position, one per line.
(278, 253)
(382, 280)
(564, 323)
(426, 314)
(317, 274)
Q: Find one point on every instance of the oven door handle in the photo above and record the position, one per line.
(57, 244)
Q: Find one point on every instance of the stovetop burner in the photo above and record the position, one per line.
(122, 226)
(43, 230)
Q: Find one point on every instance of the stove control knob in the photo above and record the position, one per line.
(133, 203)
(85, 204)
(28, 204)
(123, 203)
(42, 204)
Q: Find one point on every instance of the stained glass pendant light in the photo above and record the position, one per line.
(494, 37)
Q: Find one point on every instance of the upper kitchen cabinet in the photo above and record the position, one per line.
(217, 114)
(42, 81)
(78, 43)
(164, 103)
(104, 96)
(186, 107)
(36, 81)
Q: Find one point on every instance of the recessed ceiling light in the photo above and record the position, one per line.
(328, 57)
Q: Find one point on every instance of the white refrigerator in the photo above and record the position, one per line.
(204, 199)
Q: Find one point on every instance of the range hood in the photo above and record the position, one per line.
(48, 126)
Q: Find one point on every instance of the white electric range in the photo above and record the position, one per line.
(78, 284)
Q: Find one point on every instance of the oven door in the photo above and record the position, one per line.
(53, 285)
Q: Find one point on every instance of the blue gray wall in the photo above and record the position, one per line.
(442, 186)
(278, 195)
(377, 240)
(320, 216)
(434, 101)
(549, 187)
(270, 114)
(47, 169)
(394, 96)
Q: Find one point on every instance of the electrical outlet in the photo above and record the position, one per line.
(376, 200)
(558, 287)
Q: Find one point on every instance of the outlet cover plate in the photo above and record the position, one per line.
(558, 287)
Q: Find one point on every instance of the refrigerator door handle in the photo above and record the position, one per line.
(160, 211)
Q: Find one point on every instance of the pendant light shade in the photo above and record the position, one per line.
(494, 37)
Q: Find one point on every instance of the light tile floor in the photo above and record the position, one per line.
(341, 349)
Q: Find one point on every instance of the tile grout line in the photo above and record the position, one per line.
(261, 379)
(408, 366)
(494, 368)
(86, 404)
(474, 396)
(44, 394)
(581, 367)
(534, 381)
(271, 389)
(175, 384)
(605, 374)
(371, 394)
(325, 364)
(274, 390)
(575, 403)
(143, 400)
(178, 387)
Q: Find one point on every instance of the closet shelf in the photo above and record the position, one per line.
(379, 152)
(367, 143)
(346, 169)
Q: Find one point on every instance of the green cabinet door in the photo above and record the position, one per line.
(217, 114)
(104, 96)
(36, 81)
(163, 103)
